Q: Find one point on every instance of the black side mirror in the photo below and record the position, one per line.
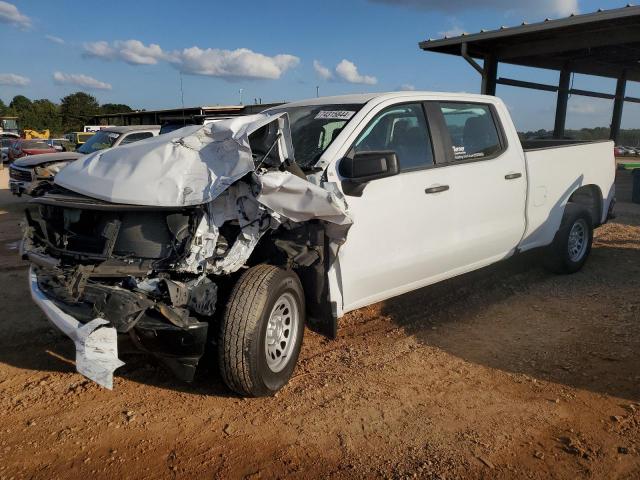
(361, 168)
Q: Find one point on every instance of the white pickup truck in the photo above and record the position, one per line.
(235, 235)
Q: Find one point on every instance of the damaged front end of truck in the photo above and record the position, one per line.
(147, 240)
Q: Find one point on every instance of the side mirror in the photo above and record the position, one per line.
(361, 168)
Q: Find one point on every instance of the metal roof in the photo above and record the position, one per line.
(362, 98)
(130, 128)
(604, 43)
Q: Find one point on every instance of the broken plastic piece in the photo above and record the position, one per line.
(96, 344)
(97, 352)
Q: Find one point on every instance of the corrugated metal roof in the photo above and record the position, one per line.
(604, 43)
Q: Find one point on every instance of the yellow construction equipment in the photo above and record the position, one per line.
(34, 134)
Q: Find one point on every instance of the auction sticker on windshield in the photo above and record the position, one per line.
(334, 115)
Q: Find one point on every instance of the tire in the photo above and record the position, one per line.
(567, 254)
(265, 315)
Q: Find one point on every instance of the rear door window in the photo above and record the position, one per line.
(473, 130)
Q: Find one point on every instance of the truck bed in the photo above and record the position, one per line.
(555, 169)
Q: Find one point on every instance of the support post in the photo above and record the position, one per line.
(618, 104)
(561, 103)
(490, 75)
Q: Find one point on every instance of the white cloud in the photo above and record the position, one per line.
(539, 7)
(9, 13)
(232, 64)
(585, 106)
(407, 87)
(134, 52)
(11, 79)
(454, 31)
(54, 39)
(322, 71)
(348, 72)
(80, 80)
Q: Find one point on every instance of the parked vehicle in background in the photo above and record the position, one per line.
(217, 235)
(9, 135)
(21, 148)
(78, 138)
(174, 125)
(34, 175)
(95, 128)
(6, 140)
(9, 125)
(60, 144)
(110, 137)
(5, 144)
(623, 151)
(35, 134)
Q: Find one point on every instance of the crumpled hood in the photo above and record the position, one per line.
(35, 160)
(189, 166)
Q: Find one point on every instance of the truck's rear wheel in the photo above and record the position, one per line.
(262, 331)
(572, 243)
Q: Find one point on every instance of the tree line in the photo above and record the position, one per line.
(70, 115)
(628, 137)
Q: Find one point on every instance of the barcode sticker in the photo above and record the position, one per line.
(334, 115)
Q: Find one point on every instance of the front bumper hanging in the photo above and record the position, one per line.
(96, 343)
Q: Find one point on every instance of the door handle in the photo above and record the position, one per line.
(437, 189)
(512, 176)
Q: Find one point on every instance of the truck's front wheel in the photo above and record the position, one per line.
(262, 331)
(572, 244)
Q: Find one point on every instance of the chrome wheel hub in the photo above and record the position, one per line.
(282, 329)
(577, 244)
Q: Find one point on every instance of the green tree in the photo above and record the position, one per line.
(108, 108)
(3, 108)
(46, 115)
(76, 109)
(20, 103)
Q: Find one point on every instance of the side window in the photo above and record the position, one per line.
(403, 129)
(473, 130)
(134, 137)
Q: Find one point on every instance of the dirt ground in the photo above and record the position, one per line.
(509, 372)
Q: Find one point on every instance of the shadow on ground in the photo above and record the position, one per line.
(580, 330)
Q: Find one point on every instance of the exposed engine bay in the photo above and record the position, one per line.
(150, 237)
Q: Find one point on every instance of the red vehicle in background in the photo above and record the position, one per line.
(22, 148)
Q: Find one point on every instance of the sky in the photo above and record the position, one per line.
(137, 52)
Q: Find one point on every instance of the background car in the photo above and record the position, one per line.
(78, 138)
(34, 175)
(60, 144)
(21, 148)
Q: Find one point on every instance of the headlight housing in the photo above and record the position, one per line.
(49, 170)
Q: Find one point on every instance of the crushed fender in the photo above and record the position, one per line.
(137, 240)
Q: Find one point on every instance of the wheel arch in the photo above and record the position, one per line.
(589, 196)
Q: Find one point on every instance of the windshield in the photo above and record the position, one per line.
(99, 141)
(314, 127)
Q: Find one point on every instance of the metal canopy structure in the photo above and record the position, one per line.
(604, 44)
(157, 117)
